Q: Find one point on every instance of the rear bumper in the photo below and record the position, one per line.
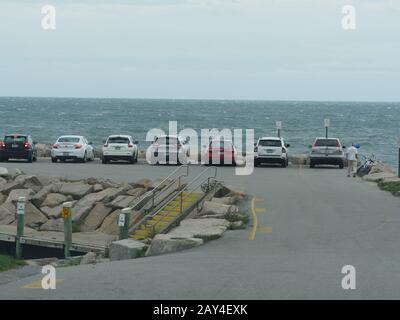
(118, 157)
(72, 154)
(270, 159)
(327, 160)
(20, 154)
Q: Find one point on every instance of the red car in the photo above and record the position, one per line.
(221, 152)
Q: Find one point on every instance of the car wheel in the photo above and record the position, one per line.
(256, 163)
(312, 164)
(84, 159)
(284, 164)
(104, 161)
(341, 165)
(30, 159)
(54, 160)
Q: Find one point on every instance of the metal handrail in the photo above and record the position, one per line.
(153, 191)
(186, 188)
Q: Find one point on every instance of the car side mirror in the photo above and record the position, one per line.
(287, 145)
(90, 143)
(344, 147)
(135, 142)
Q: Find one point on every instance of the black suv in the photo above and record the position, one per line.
(18, 146)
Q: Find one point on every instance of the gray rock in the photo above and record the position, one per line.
(123, 202)
(95, 217)
(110, 223)
(126, 249)
(211, 207)
(89, 258)
(98, 187)
(2, 198)
(166, 243)
(43, 150)
(205, 229)
(29, 181)
(75, 189)
(53, 225)
(9, 186)
(7, 213)
(376, 177)
(34, 218)
(2, 181)
(143, 183)
(17, 193)
(40, 196)
(225, 200)
(3, 172)
(55, 199)
(136, 192)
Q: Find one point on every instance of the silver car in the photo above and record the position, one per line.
(327, 151)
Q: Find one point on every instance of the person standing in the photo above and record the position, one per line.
(352, 156)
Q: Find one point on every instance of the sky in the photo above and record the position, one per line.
(201, 49)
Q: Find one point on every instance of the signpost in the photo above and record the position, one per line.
(327, 125)
(279, 127)
(20, 226)
(123, 223)
(67, 216)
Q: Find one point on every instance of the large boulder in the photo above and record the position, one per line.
(2, 198)
(144, 184)
(34, 218)
(76, 189)
(41, 195)
(54, 213)
(166, 243)
(212, 207)
(136, 192)
(123, 202)
(2, 181)
(29, 181)
(43, 150)
(126, 249)
(7, 213)
(206, 229)
(89, 258)
(95, 217)
(55, 199)
(9, 186)
(15, 194)
(225, 200)
(4, 172)
(110, 225)
(53, 225)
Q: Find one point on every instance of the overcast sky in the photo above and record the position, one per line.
(206, 49)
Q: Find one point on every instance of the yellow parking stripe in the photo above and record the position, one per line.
(265, 229)
(38, 284)
(255, 220)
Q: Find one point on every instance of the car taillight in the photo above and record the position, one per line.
(27, 145)
(105, 146)
(2, 144)
(283, 150)
(130, 145)
(78, 146)
(56, 146)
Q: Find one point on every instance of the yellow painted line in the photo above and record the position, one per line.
(261, 210)
(265, 229)
(38, 284)
(255, 220)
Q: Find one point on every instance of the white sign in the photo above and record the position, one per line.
(327, 123)
(20, 208)
(121, 220)
(279, 125)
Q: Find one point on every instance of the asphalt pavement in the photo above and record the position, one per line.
(306, 225)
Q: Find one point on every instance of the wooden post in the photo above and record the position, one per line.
(67, 215)
(123, 223)
(20, 226)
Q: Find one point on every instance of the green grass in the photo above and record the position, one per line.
(391, 186)
(9, 262)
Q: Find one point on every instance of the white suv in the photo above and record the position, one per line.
(120, 147)
(271, 150)
(327, 151)
(169, 149)
(72, 148)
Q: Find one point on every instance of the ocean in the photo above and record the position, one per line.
(374, 125)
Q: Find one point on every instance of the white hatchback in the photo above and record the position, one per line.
(120, 147)
(271, 150)
(72, 148)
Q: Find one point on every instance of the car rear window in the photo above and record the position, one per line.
(118, 140)
(14, 139)
(68, 139)
(220, 144)
(270, 143)
(327, 143)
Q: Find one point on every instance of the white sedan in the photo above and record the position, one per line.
(72, 148)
